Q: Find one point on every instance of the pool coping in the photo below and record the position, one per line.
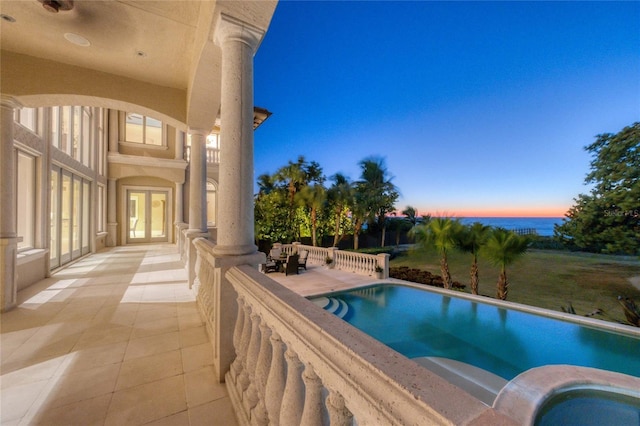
(524, 396)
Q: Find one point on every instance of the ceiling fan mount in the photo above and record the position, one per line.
(54, 6)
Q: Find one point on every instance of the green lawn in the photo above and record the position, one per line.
(548, 279)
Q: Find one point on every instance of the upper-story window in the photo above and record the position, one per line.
(27, 117)
(71, 132)
(143, 129)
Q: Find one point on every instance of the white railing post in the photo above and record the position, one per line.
(259, 413)
(313, 412)
(276, 380)
(234, 370)
(383, 263)
(251, 399)
(243, 378)
(293, 397)
(339, 415)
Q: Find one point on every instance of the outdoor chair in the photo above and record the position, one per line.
(302, 260)
(292, 265)
(270, 266)
(275, 253)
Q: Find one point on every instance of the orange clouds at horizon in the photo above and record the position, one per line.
(506, 212)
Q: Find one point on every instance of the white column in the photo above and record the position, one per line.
(179, 210)
(112, 222)
(198, 181)
(112, 218)
(238, 41)
(114, 135)
(8, 220)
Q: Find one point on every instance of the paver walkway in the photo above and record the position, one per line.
(114, 339)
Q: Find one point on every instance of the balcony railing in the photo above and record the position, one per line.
(213, 155)
(348, 261)
(289, 362)
(294, 363)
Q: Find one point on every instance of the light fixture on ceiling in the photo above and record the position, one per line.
(77, 39)
(7, 18)
(54, 6)
(141, 53)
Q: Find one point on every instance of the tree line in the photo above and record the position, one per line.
(607, 219)
(299, 201)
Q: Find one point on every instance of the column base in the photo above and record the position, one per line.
(242, 250)
(112, 234)
(8, 262)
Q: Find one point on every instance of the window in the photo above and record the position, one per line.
(143, 130)
(71, 132)
(100, 151)
(26, 198)
(28, 117)
(86, 136)
(65, 130)
(55, 126)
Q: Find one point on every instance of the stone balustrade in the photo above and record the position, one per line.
(212, 155)
(348, 261)
(286, 361)
(299, 365)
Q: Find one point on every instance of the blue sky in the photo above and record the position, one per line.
(479, 108)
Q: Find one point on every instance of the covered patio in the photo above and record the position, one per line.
(116, 338)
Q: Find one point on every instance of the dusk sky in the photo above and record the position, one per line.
(478, 108)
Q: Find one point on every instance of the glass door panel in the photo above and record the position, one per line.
(137, 205)
(65, 219)
(76, 218)
(54, 215)
(158, 215)
(86, 217)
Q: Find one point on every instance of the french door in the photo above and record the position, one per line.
(148, 216)
(70, 217)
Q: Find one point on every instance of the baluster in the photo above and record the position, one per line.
(243, 378)
(276, 380)
(259, 413)
(313, 411)
(293, 397)
(237, 337)
(339, 414)
(251, 398)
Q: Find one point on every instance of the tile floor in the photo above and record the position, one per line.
(114, 339)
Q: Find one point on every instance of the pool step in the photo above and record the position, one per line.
(480, 383)
(338, 307)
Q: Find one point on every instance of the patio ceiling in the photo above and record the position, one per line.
(158, 55)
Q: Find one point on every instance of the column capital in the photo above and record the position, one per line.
(229, 28)
(198, 131)
(10, 102)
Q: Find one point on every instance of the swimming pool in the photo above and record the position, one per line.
(506, 342)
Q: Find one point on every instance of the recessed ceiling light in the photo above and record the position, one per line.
(141, 54)
(8, 18)
(77, 39)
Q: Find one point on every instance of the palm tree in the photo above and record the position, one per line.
(378, 192)
(313, 197)
(296, 176)
(440, 233)
(502, 249)
(470, 239)
(339, 194)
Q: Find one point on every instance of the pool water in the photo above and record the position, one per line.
(589, 407)
(506, 342)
